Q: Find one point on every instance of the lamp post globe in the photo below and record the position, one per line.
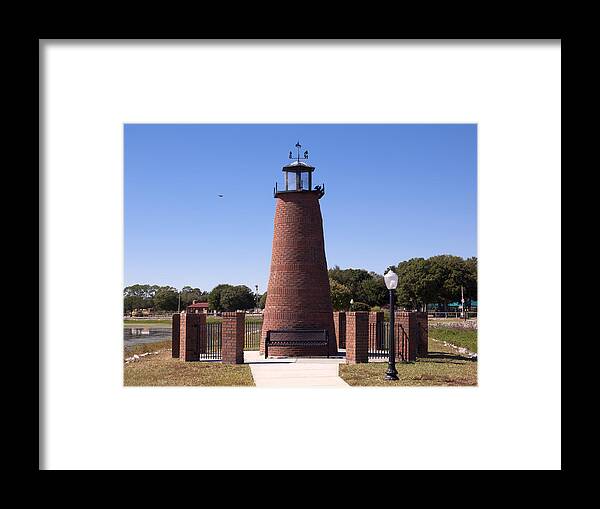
(391, 282)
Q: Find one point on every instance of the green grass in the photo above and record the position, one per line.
(138, 323)
(466, 338)
(163, 370)
(443, 367)
(251, 319)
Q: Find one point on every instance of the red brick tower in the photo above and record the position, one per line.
(298, 295)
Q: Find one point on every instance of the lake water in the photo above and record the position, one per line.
(139, 335)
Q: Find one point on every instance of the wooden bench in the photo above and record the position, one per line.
(296, 337)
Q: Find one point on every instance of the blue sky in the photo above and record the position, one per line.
(393, 192)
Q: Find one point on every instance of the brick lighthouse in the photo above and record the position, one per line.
(298, 295)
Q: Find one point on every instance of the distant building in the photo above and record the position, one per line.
(197, 307)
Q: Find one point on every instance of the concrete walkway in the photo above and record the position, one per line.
(294, 372)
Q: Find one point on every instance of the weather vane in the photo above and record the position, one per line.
(298, 147)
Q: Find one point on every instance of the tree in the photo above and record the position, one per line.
(361, 306)
(416, 285)
(353, 279)
(471, 278)
(340, 295)
(262, 302)
(189, 295)
(437, 279)
(138, 296)
(166, 298)
(449, 273)
(373, 291)
(237, 297)
(132, 302)
(214, 297)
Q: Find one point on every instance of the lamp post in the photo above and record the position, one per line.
(351, 304)
(179, 301)
(391, 281)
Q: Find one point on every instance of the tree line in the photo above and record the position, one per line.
(223, 297)
(421, 281)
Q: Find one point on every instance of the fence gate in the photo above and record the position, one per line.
(210, 344)
(212, 349)
(379, 340)
(252, 335)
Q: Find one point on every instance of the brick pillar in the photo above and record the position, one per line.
(376, 329)
(406, 336)
(357, 337)
(339, 322)
(192, 327)
(175, 336)
(232, 349)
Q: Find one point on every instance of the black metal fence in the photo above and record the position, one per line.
(212, 349)
(401, 343)
(252, 335)
(379, 341)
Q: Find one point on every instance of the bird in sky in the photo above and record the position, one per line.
(220, 195)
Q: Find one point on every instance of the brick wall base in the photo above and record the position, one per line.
(298, 351)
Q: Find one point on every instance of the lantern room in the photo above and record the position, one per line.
(298, 175)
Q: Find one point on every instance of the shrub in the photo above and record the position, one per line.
(360, 306)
